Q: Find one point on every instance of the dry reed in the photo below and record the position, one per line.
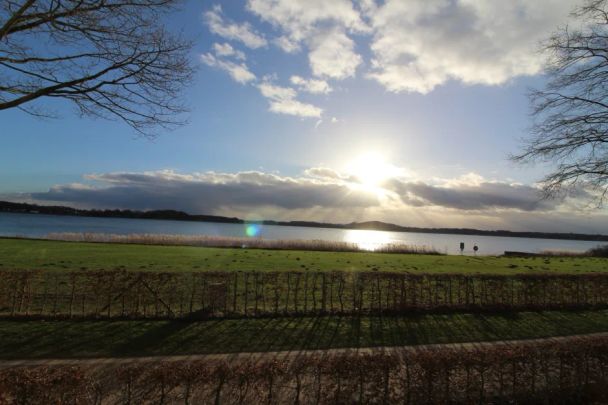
(239, 242)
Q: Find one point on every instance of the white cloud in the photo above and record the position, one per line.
(415, 45)
(300, 19)
(419, 45)
(233, 31)
(319, 24)
(313, 86)
(283, 101)
(286, 44)
(226, 50)
(332, 55)
(238, 71)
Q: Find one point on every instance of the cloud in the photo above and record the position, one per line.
(418, 46)
(317, 187)
(332, 55)
(300, 19)
(233, 31)
(319, 25)
(226, 50)
(238, 71)
(287, 44)
(311, 85)
(207, 192)
(482, 196)
(283, 101)
(415, 45)
(326, 194)
(324, 173)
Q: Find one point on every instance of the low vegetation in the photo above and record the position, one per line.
(570, 370)
(91, 299)
(234, 242)
(24, 254)
(600, 251)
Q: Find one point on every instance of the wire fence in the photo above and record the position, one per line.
(201, 295)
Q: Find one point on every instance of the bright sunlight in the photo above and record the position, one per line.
(371, 169)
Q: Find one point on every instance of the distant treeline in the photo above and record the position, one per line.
(6, 206)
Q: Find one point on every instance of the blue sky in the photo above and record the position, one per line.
(295, 103)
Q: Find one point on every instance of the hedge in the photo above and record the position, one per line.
(565, 371)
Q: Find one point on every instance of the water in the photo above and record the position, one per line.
(37, 225)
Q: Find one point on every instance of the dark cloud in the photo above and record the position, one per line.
(205, 193)
(484, 195)
(319, 187)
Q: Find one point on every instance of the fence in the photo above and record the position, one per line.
(249, 294)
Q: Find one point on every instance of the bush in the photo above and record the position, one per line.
(566, 370)
(599, 251)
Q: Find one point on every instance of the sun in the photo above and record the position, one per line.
(371, 170)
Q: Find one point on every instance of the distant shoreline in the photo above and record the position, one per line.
(24, 208)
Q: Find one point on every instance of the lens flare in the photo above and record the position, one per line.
(252, 230)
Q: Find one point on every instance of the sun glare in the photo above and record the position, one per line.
(367, 240)
(371, 170)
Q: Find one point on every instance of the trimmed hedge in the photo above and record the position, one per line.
(220, 294)
(566, 371)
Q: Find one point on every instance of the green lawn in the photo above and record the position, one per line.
(55, 339)
(53, 255)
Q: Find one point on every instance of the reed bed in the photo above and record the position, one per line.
(239, 242)
(562, 253)
(201, 295)
(571, 370)
(598, 251)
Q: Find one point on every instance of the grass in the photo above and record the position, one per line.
(65, 256)
(80, 339)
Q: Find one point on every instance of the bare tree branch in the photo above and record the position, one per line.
(111, 58)
(570, 129)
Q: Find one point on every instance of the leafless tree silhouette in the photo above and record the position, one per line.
(111, 58)
(570, 114)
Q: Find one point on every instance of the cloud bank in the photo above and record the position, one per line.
(315, 187)
(207, 192)
(330, 195)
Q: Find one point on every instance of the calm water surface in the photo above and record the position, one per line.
(36, 225)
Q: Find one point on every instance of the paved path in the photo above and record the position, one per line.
(113, 361)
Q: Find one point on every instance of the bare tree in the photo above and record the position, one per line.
(111, 58)
(570, 114)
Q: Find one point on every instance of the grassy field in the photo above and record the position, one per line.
(69, 339)
(54, 255)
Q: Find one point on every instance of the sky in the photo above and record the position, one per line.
(338, 111)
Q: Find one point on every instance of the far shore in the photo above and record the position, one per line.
(173, 215)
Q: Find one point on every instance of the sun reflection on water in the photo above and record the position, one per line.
(368, 240)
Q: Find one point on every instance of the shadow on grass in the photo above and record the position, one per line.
(116, 338)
